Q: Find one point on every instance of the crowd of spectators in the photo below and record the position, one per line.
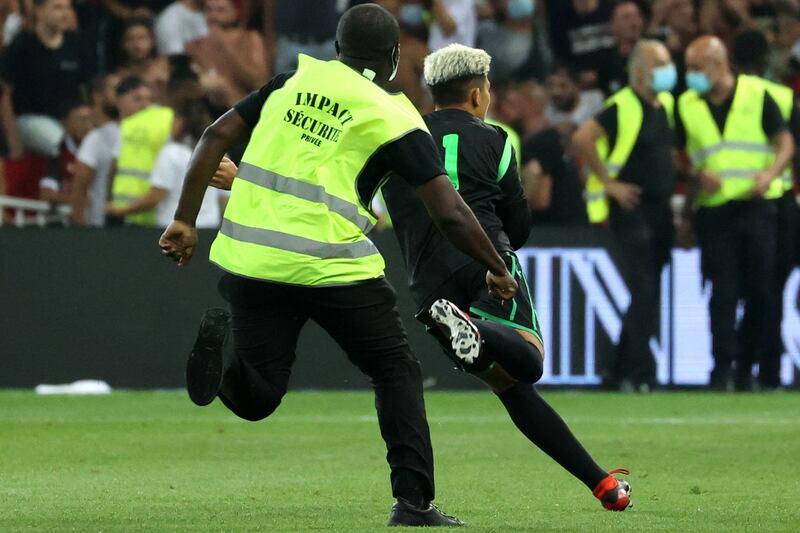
(71, 69)
(102, 101)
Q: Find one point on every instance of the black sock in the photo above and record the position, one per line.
(521, 359)
(541, 424)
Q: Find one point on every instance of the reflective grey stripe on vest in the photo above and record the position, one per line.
(125, 198)
(741, 146)
(306, 191)
(729, 173)
(293, 243)
(614, 167)
(132, 172)
(594, 196)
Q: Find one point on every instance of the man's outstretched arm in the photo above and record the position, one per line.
(179, 239)
(219, 137)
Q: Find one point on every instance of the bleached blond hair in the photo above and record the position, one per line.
(456, 61)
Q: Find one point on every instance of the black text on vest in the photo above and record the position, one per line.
(311, 122)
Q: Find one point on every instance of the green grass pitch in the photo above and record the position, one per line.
(153, 461)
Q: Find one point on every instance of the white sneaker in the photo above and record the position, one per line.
(465, 338)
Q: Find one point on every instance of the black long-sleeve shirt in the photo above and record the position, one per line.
(481, 163)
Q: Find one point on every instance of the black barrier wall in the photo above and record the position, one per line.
(104, 304)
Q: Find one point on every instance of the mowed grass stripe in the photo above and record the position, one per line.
(152, 461)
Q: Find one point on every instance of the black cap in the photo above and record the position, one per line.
(129, 84)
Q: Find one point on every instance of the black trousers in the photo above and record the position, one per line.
(769, 353)
(643, 238)
(738, 247)
(363, 319)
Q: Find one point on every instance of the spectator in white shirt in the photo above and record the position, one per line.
(183, 21)
(454, 21)
(95, 157)
(166, 179)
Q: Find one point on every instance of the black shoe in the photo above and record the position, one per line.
(720, 380)
(405, 514)
(744, 384)
(205, 366)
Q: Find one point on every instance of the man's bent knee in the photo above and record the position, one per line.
(253, 409)
(537, 356)
(256, 412)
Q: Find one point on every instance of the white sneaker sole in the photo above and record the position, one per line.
(464, 337)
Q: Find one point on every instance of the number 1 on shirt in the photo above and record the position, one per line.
(450, 143)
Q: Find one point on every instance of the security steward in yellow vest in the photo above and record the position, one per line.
(750, 53)
(628, 148)
(142, 136)
(322, 141)
(737, 141)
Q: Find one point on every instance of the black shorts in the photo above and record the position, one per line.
(467, 289)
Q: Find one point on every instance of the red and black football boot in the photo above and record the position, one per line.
(614, 493)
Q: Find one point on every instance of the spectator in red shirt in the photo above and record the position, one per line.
(56, 185)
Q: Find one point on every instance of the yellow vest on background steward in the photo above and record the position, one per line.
(739, 152)
(295, 215)
(513, 138)
(784, 97)
(630, 116)
(142, 135)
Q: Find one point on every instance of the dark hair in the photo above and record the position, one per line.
(97, 84)
(138, 21)
(71, 105)
(567, 70)
(135, 23)
(455, 91)
(131, 83)
(367, 32)
(196, 118)
(180, 71)
(750, 51)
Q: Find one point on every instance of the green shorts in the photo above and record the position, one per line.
(519, 312)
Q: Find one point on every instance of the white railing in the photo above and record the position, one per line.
(27, 212)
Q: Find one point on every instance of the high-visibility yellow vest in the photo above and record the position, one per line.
(295, 215)
(784, 97)
(630, 116)
(142, 135)
(737, 153)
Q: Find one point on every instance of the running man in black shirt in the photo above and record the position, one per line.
(499, 343)
(293, 242)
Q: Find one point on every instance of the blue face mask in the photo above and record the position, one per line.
(698, 81)
(521, 9)
(412, 15)
(664, 78)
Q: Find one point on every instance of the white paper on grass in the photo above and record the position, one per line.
(84, 386)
